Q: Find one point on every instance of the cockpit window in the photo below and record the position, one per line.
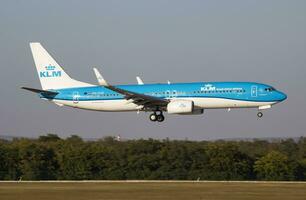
(270, 89)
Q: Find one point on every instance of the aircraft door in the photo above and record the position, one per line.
(75, 97)
(254, 91)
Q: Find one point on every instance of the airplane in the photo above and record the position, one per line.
(174, 98)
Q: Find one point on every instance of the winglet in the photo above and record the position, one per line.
(139, 81)
(100, 78)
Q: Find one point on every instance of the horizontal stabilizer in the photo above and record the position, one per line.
(42, 92)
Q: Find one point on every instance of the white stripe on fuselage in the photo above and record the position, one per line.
(124, 105)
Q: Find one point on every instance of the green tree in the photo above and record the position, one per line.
(38, 163)
(274, 166)
(3, 160)
(49, 138)
(302, 170)
(9, 162)
(75, 139)
(143, 159)
(74, 159)
(226, 162)
(50, 157)
(199, 168)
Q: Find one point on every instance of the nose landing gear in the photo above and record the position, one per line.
(157, 117)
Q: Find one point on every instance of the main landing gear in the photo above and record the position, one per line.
(259, 114)
(157, 117)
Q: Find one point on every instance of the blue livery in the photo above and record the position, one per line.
(173, 98)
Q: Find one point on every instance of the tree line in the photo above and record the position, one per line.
(50, 157)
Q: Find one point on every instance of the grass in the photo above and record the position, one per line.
(150, 190)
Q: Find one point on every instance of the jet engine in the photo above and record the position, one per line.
(180, 107)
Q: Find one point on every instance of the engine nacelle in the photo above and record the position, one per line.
(180, 107)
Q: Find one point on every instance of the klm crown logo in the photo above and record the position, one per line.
(50, 67)
(50, 72)
(208, 87)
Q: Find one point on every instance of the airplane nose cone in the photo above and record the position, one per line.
(282, 96)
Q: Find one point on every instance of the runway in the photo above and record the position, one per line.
(140, 190)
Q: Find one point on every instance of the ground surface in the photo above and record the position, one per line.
(151, 190)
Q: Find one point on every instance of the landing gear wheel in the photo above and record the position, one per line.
(160, 118)
(259, 114)
(153, 117)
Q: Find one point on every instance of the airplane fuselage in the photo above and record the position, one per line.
(205, 95)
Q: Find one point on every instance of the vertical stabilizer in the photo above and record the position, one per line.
(50, 73)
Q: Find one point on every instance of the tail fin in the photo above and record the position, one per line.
(50, 73)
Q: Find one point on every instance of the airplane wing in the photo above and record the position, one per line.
(140, 99)
(144, 101)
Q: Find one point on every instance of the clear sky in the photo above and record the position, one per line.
(181, 41)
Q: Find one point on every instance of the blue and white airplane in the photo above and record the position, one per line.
(174, 98)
